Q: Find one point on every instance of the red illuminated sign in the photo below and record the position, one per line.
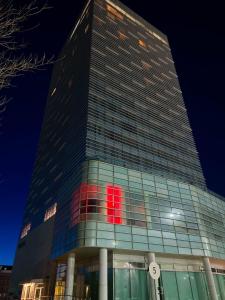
(85, 200)
(114, 200)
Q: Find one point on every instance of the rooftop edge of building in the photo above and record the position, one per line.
(5, 268)
(138, 17)
(125, 10)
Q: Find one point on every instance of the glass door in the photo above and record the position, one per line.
(37, 295)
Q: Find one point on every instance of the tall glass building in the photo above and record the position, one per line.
(117, 183)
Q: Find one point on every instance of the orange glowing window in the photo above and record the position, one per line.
(112, 17)
(122, 36)
(114, 12)
(114, 200)
(142, 43)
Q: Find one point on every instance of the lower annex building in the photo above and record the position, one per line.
(117, 182)
(5, 273)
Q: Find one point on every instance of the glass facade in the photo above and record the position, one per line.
(220, 285)
(130, 284)
(184, 286)
(129, 279)
(147, 212)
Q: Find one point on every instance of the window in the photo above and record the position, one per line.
(85, 200)
(50, 212)
(53, 92)
(142, 43)
(122, 35)
(98, 20)
(86, 28)
(149, 81)
(114, 198)
(114, 12)
(25, 230)
(145, 65)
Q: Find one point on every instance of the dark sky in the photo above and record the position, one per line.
(196, 32)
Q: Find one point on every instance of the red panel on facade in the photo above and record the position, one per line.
(85, 200)
(114, 199)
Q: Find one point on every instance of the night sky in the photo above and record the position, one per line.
(196, 33)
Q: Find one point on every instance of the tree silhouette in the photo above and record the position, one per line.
(12, 62)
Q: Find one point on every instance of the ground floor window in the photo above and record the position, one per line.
(184, 286)
(220, 286)
(130, 284)
(129, 280)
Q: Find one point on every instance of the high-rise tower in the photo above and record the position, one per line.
(117, 173)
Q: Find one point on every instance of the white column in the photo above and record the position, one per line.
(70, 276)
(152, 283)
(103, 275)
(209, 278)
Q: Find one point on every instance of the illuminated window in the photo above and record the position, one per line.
(99, 34)
(163, 61)
(112, 35)
(134, 49)
(98, 20)
(127, 87)
(89, 198)
(111, 50)
(97, 51)
(161, 96)
(166, 76)
(138, 83)
(145, 65)
(114, 12)
(122, 36)
(60, 281)
(86, 28)
(137, 66)
(25, 230)
(149, 81)
(142, 43)
(168, 92)
(125, 67)
(97, 71)
(50, 212)
(85, 200)
(53, 92)
(155, 62)
(124, 50)
(174, 112)
(112, 69)
(114, 200)
(32, 290)
(111, 17)
(172, 73)
(158, 78)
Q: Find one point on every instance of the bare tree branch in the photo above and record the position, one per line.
(12, 20)
(12, 25)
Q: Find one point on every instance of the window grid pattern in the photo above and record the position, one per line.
(156, 214)
(136, 114)
(62, 142)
